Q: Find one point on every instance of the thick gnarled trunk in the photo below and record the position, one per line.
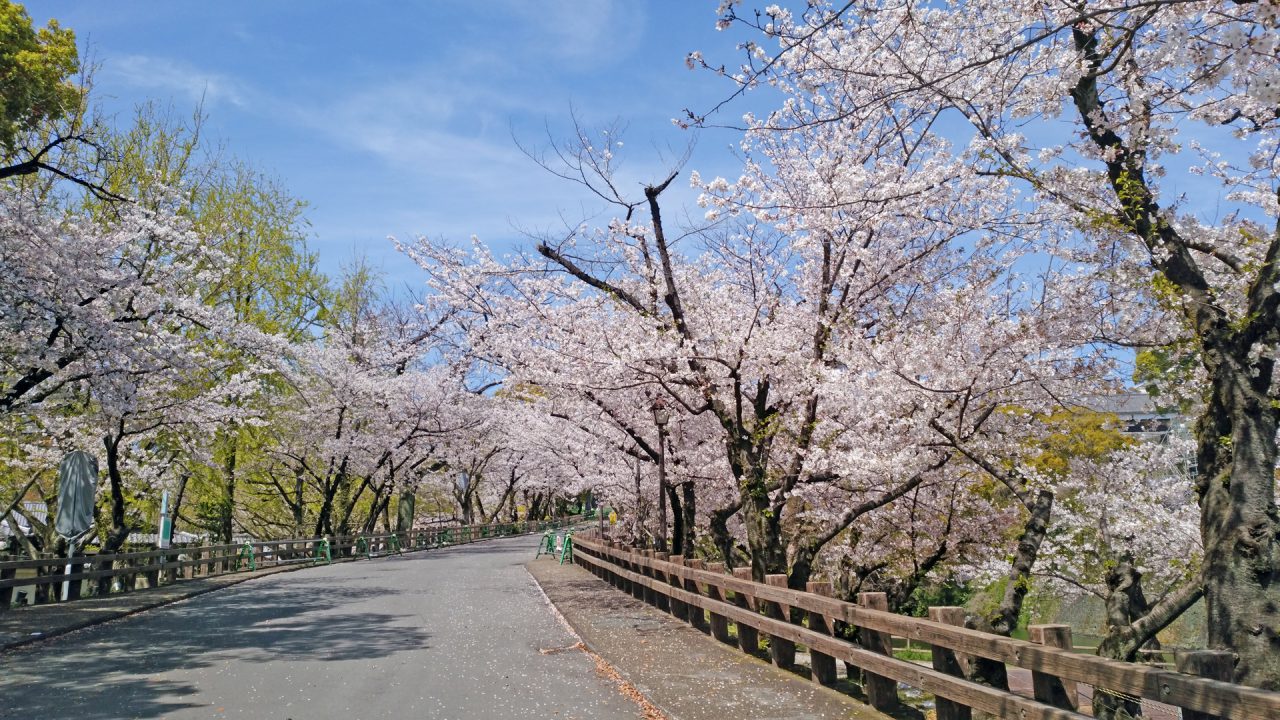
(1131, 624)
(1239, 523)
(1236, 433)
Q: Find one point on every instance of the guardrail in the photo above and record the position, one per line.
(709, 599)
(163, 567)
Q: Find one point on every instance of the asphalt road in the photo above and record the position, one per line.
(457, 633)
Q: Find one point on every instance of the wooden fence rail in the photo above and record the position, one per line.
(162, 567)
(765, 608)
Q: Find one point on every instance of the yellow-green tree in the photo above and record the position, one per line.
(268, 280)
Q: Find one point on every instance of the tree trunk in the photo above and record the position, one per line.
(768, 555)
(1239, 523)
(1125, 602)
(177, 503)
(720, 537)
(677, 522)
(1132, 624)
(299, 508)
(227, 506)
(119, 530)
(1005, 618)
(405, 510)
(324, 519)
(1236, 435)
(689, 509)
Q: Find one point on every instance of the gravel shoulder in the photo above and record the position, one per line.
(687, 675)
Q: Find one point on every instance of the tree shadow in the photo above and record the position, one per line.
(110, 671)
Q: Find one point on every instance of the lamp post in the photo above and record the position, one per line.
(660, 418)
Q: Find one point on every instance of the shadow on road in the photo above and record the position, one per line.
(115, 670)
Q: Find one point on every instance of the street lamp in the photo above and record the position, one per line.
(660, 418)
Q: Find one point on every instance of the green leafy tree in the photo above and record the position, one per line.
(268, 279)
(37, 68)
(50, 140)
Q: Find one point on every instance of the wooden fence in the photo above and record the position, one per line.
(704, 595)
(152, 568)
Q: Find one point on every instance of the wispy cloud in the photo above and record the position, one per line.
(583, 30)
(175, 78)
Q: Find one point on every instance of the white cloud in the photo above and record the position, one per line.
(176, 78)
(582, 30)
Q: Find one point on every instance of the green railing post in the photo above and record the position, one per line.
(546, 545)
(246, 552)
(323, 550)
(566, 548)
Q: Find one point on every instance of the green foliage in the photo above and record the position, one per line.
(35, 71)
(1169, 366)
(986, 600)
(273, 282)
(913, 654)
(949, 593)
(1075, 434)
(1037, 606)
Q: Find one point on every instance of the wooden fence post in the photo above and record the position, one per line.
(1051, 689)
(697, 616)
(153, 576)
(947, 661)
(781, 650)
(822, 667)
(1212, 664)
(882, 692)
(650, 596)
(128, 579)
(615, 556)
(603, 554)
(679, 610)
(719, 623)
(660, 599)
(75, 588)
(620, 557)
(748, 637)
(6, 594)
(637, 589)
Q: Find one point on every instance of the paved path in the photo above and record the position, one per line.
(456, 633)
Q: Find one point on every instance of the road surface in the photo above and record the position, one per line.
(456, 633)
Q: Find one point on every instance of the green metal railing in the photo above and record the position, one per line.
(558, 545)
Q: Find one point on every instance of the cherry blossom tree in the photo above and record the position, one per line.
(1105, 117)
(627, 323)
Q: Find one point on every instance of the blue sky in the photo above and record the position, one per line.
(396, 118)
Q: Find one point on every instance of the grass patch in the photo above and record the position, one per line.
(913, 655)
